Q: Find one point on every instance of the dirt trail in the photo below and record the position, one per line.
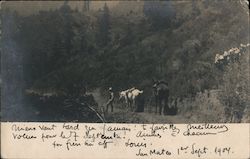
(121, 115)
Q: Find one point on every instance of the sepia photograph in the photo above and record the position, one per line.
(172, 61)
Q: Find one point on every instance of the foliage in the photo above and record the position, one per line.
(64, 47)
(236, 89)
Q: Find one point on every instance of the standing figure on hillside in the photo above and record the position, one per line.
(140, 102)
(161, 93)
(111, 100)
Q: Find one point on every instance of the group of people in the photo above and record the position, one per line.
(134, 99)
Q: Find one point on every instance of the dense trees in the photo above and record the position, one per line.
(100, 49)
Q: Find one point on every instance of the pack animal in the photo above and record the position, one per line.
(129, 96)
(161, 94)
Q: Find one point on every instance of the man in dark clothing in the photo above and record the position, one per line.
(111, 100)
(140, 101)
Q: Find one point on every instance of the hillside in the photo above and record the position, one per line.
(59, 49)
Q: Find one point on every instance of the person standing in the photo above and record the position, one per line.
(111, 100)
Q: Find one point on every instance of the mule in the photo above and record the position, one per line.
(161, 94)
(130, 96)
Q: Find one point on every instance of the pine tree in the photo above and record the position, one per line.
(86, 6)
(67, 33)
(104, 26)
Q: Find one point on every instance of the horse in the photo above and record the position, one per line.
(130, 96)
(123, 95)
(161, 94)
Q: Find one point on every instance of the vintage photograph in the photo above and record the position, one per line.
(173, 61)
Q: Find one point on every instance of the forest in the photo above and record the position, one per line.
(59, 49)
